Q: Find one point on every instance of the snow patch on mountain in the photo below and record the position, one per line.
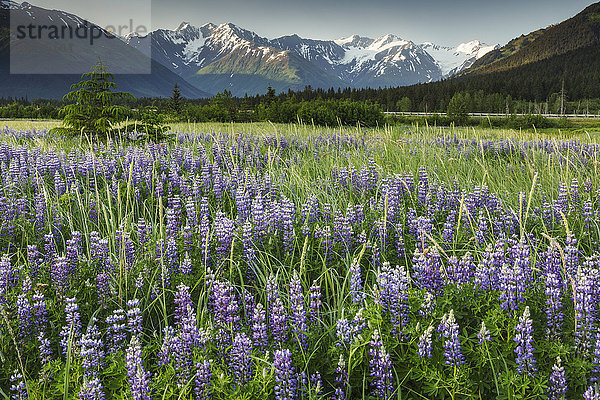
(452, 60)
(11, 5)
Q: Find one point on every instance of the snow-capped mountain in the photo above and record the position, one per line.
(245, 62)
(46, 66)
(385, 61)
(9, 5)
(452, 60)
(216, 57)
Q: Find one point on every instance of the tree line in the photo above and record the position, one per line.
(564, 84)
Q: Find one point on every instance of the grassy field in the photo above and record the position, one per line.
(289, 261)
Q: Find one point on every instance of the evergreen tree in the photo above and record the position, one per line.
(93, 109)
(176, 99)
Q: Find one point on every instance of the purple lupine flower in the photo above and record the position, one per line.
(139, 281)
(423, 228)
(203, 380)
(139, 378)
(316, 385)
(486, 272)
(91, 350)
(596, 359)
(26, 285)
(376, 255)
(524, 339)
(356, 286)
(259, 326)
(143, 234)
(585, 308)
(247, 243)
(572, 254)
(188, 238)
(592, 392)
(34, 259)
(482, 229)
(172, 256)
(347, 331)
(588, 216)
(449, 229)
(225, 306)
(381, 368)
(72, 250)
(71, 332)
(392, 285)
(287, 224)
(344, 332)
(512, 286)
(25, 316)
(128, 251)
(9, 277)
(92, 389)
(452, 349)
(484, 333)
(279, 321)
(186, 265)
(298, 313)
(117, 330)
(324, 233)
(315, 302)
(286, 382)
(249, 302)
(224, 232)
(45, 349)
(204, 234)
(342, 229)
(424, 349)
(134, 317)
(427, 268)
(183, 304)
(553, 290)
(428, 305)
(18, 387)
(61, 275)
(190, 211)
(173, 217)
(166, 348)
(40, 211)
(400, 245)
(103, 286)
(574, 192)
(190, 337)
(49, 247)
(40, 312)
(557, 385)
(240, 358)
(461, 272)
(423, 185)
(520, 253)
(341, 380)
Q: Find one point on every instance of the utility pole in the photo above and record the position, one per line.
(562, 98)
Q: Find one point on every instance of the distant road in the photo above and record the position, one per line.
(576, 116)
(26, 120)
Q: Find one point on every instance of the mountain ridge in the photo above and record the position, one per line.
(579, 31)
(211, 55)
(35, 77)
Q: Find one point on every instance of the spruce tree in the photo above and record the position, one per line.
(93, 108)
(176, 100)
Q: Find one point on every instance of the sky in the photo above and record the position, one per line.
(444, 22)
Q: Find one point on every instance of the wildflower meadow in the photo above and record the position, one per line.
(297, 262)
